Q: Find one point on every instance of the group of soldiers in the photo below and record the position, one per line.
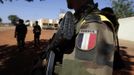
(21, 31)
(87, 39)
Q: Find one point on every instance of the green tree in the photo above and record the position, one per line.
(123, 8)
(2, 1)
(13, 18)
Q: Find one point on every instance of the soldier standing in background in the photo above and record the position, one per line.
(20, 34)
(37, 33)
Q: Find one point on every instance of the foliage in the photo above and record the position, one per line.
(2, 1)
(123, 8)
(13, 18)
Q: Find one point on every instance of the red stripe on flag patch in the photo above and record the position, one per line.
(92, 41)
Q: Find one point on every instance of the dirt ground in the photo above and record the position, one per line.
(127, 56)
(13, 62)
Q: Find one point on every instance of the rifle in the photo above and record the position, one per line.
(45, 64)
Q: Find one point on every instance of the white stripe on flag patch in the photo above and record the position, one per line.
(85, 41)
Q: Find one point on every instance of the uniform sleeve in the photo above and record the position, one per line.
(25, 28)
(68, 26)
(39, 28)
(66, 30)
(15, 33)
(34, 29)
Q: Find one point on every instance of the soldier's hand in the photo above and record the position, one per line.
(49, 47)
(39, 64)
(44, 62)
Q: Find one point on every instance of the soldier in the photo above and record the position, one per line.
(20, 33)
(37, 33)
(87, 39)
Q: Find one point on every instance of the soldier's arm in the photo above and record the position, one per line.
(33, 29)
(65, 32)
(26, 29)
(15, 33)
(40, 29)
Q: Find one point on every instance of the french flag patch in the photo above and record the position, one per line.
(86, 39)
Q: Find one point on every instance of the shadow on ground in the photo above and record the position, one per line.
(14, 62)
(123, 64)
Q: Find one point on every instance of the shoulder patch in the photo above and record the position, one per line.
(86, 39)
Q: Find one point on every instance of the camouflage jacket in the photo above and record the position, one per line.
(94, 46)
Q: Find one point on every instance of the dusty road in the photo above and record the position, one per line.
(13, 62)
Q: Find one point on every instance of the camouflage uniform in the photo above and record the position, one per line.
(94, 44)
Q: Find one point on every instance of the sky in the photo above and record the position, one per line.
(38, 9)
